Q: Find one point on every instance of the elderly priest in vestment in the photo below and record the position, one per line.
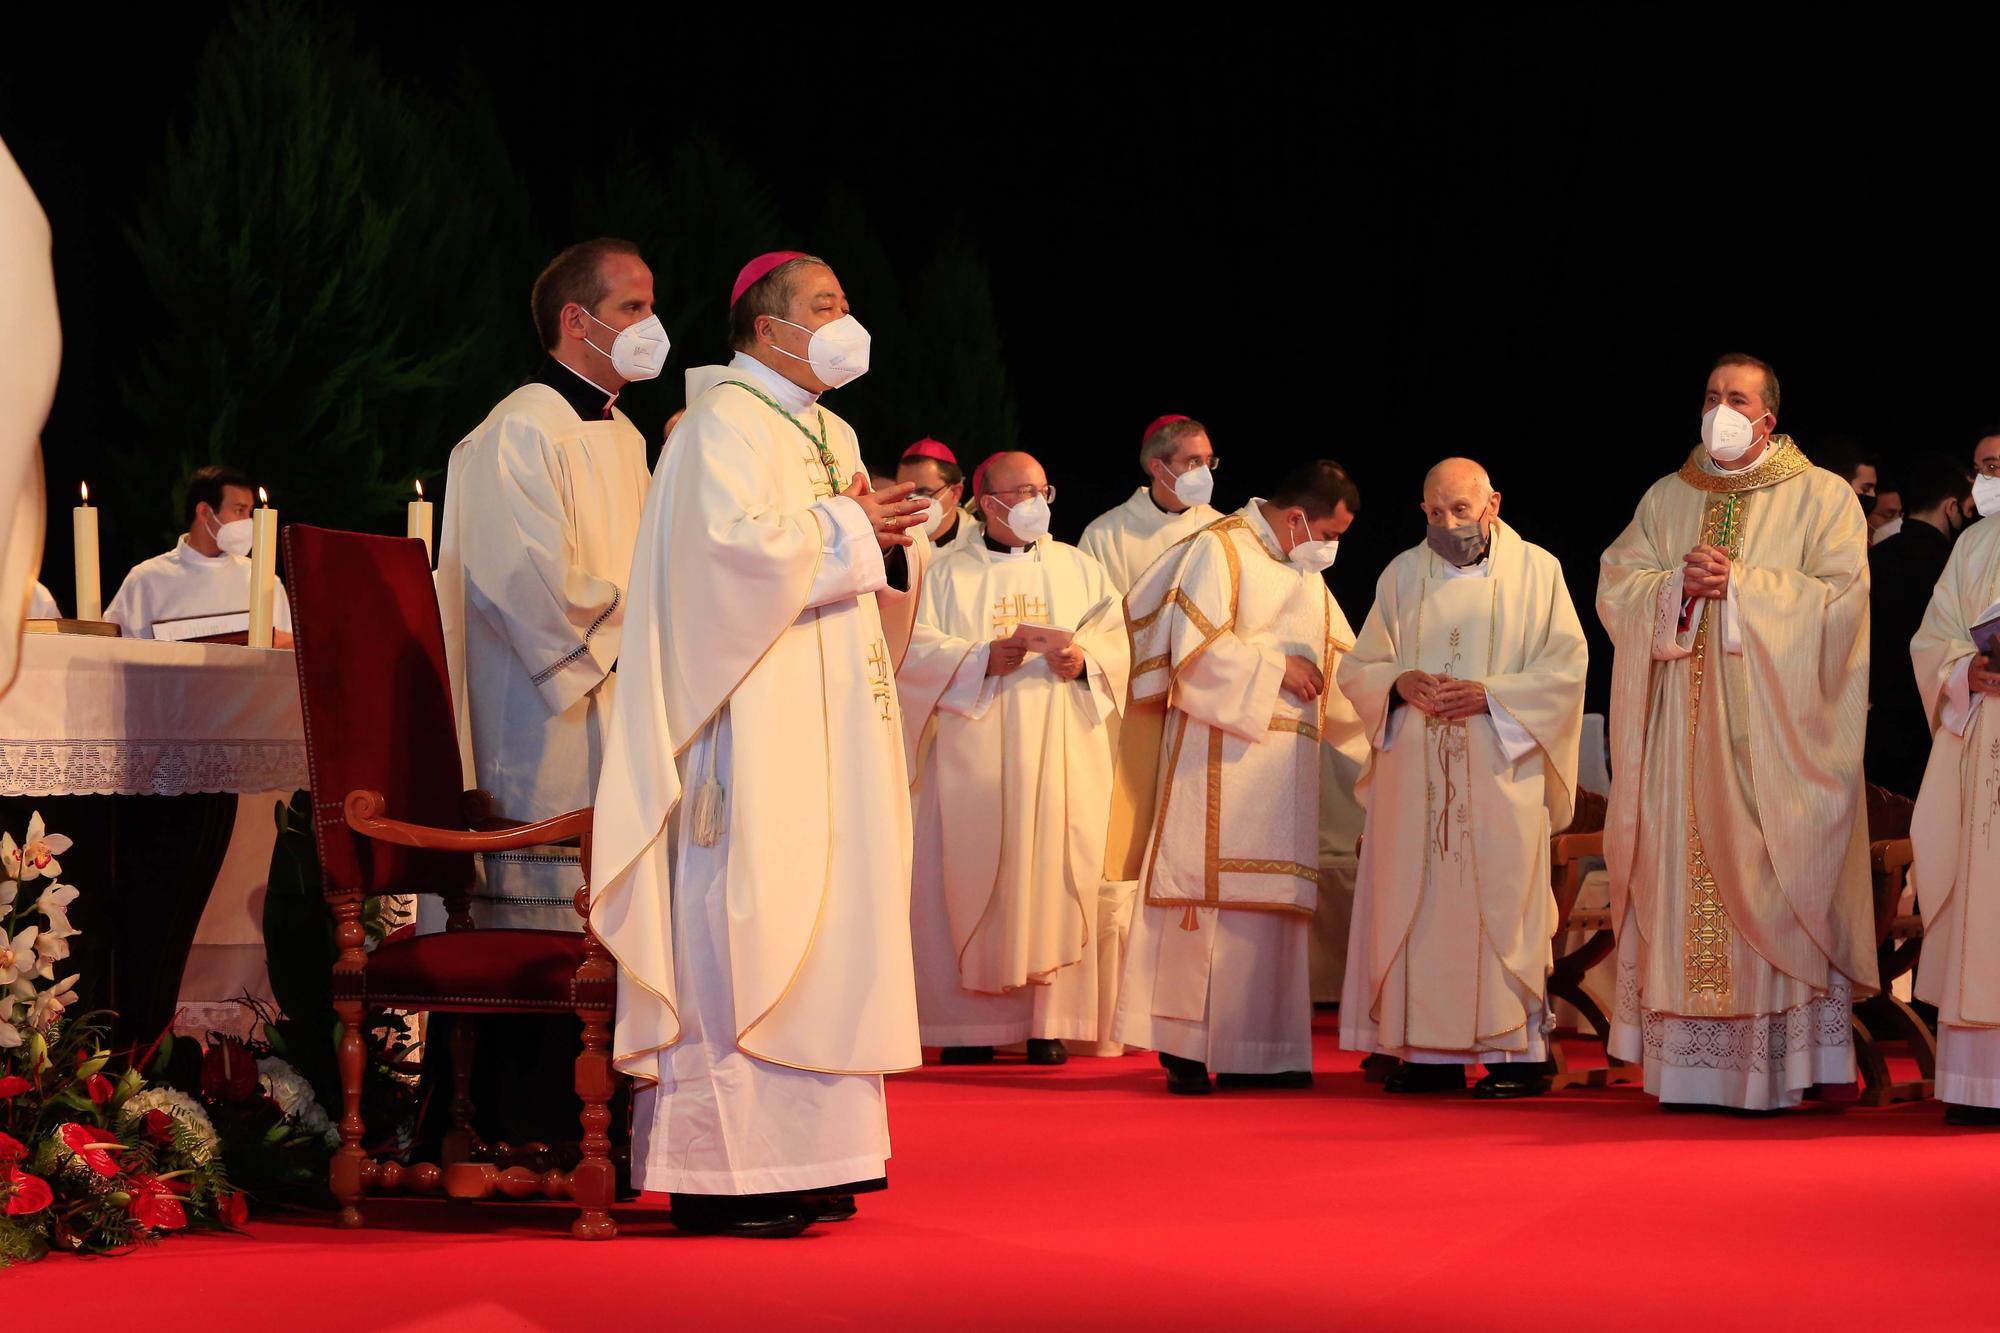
(1956, 829)
(1468, 677)
(1013, 767)
(541, 512)
(763, 933)
(1737, 605)
(201, 587)
(1216, 810)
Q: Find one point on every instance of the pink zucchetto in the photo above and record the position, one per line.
(1151, 430)
(929, 448)
(979, 476)
(758, 269)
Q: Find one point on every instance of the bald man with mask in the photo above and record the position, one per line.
(1468, 677)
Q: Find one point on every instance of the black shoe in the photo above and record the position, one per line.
(1958, 1113)
(1290, 1078)
(1376, 1068)
(966, 1055)
(1520, 1079)
(1425, 1078)
(1189, 1078)
(1047, 1051)
(745, 1218)
(831, 1208)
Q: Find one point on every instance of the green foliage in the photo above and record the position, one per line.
(343, 264)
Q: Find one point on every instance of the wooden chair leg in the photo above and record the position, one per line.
(350, 1163)
(594, 1182)
(1874, 1067)
(461, 1141)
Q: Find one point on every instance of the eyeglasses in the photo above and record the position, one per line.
(929, 492)
(1023, 493)
(1212, 463)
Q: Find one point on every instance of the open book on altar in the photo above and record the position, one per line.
(1050, 639)
(189, 628)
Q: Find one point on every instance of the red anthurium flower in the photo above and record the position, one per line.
(100, 1088)
(88, 1144)
(228, 1071)
(11, 1149)
(13, 1086)
(235, 1209)
(160, 1128)
(26, 1194)
(154, 1206)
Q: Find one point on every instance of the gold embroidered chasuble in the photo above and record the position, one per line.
(1449, 947)
(1736, 833)
(1956, 829)
(1216, 803)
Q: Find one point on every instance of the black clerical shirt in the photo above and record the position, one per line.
(1903, 573)
(589, 402)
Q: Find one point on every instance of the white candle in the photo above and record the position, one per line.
(421, 525)
(263, 569)
(89, 590)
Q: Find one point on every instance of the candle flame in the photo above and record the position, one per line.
(420, 488)
(86, 492)
(262, 497)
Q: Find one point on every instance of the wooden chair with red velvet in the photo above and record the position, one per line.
(390, 816)
(1881, 1018)
(1568, 850)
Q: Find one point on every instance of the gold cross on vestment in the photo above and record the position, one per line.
(1011, 610)
(878, 678)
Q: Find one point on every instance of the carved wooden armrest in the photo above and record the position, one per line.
(364, 811)
(1569, 848)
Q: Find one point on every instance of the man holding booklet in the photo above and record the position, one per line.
(1015, 758)
(201, 588)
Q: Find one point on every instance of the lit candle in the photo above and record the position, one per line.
(420, 520)
(263, 569)
(89, 591)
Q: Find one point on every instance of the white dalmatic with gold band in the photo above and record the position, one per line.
(1216, 808)
(1737, 836)
(763, 935)
(1012, 794)
(1448, 953)
(1956, 829)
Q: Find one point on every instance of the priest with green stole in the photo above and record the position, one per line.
(1956, 830)
(1737, 838)
(762, 926)
(1468, 677)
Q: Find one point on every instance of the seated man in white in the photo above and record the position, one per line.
(206, 577)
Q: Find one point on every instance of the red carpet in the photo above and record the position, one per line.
(1086, 1197)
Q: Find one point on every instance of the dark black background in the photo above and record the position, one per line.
(1519, 235)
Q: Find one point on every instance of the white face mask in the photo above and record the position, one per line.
(1312, 556)
(639, 352)
(838, 352)
(234, 538)
(1030, 518)
(1986, 495)
(933, 517)
(1195, 486)
(1728, 433)
(1885, 532)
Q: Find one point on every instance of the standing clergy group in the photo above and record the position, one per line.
(888, 770)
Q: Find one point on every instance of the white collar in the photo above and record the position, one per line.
(788, 395)
(1254, 511)
(185, 553)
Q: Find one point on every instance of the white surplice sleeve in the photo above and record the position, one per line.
(850, 561)
(1960, 703)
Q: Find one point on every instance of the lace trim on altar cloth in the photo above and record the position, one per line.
(149, 768)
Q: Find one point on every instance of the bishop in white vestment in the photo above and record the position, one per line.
(1013, 771)
(1469, 677)
(763, 932)
(1737, 840)
(1216, 811)
(1956, 829)
(203, 584)
(541, 513)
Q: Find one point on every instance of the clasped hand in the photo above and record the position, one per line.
(1981, 676)
(1005, 656)
(1442, 696)
(1303, 679)
(890, 510)
(1707, 572)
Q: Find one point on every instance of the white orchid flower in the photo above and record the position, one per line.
(37, 857)
(8, 891)
(49, 1004)
(55, 899)
(17, 956)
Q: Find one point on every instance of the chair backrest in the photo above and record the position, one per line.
(1889, 814)
(377, 701)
